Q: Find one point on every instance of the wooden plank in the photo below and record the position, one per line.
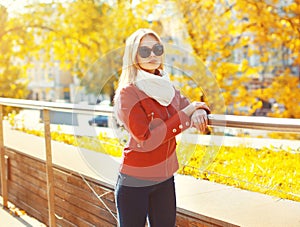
(86, 196)
(22, 168)
(76, 192)
(22, 171)
(75, 211)
(27, 196)
(62, 180)
(49, 168)
(31, 161)
(190, 222)
(181, 221)
(108, 194)
(81, 189)
(85, 199)
(4, 190)
(75, 220)
(76, 180)
(42, 217)
(199, 218)
(31, 203)
(96, 209)
(62, 221)
(26, 191)
(67, 218)
(30, 184)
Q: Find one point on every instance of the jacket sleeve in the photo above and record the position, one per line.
(136, 121)
(183, 101)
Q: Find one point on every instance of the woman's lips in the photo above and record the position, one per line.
(153, 61)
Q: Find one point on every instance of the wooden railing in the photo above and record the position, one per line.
(261, 123)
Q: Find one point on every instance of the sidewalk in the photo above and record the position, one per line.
(217, 201)
(13, 217)
(234, 205)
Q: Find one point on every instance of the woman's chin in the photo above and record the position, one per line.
(150, 66)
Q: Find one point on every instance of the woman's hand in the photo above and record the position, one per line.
(192, 107)
(199, 120)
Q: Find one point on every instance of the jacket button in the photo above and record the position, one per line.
(180, 126)
(187, 123)
(138, 145)
(174, 130)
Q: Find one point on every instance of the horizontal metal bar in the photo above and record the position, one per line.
(215, 120)
(259, 123)
(57, 106)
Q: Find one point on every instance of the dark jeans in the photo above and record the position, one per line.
(156, 201)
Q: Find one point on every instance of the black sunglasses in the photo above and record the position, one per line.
(145, 51)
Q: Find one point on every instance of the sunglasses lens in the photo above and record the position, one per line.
(158, 49)
(144, 52)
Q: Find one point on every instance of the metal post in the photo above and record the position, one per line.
(49, 169)
(3, 163)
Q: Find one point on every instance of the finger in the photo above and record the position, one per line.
(204, 124)
(199, 125)
(204, 119)
(199, 121)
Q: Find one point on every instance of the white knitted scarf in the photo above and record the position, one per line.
(155, 86)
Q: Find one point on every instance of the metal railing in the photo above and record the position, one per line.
(215, 120)
(260, 123)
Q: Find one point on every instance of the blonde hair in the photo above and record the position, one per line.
(130, 64)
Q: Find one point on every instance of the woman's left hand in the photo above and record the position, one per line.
(199, 120)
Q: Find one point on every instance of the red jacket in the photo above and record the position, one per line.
(150, 151)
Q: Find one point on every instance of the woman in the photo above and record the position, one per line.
(153, 112)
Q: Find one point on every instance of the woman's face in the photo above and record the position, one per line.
(149, 55)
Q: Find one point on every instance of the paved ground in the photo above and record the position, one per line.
(236, 206)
